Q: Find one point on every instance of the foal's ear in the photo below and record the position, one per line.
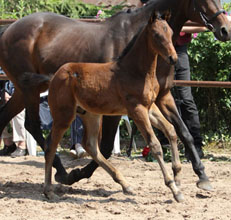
(154, 16)
(166, 15)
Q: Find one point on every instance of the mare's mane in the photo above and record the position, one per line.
(151, 5)
(129, 46)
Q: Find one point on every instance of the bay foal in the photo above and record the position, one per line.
(124, 86)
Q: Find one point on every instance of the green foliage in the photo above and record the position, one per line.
(210, 60)
(70, 8)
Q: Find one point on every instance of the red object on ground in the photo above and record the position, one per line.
(145, 151)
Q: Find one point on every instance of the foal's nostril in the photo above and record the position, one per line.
(171, 60)
(224, 32)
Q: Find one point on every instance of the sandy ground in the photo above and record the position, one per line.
(21, 197)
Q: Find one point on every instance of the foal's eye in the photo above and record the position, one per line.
(156, 34)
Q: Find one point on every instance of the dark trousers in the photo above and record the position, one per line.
(183, 96)
(76, 131)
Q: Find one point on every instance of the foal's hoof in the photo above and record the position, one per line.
(179, 197)
(128, 191)
(178, 183)
(205, 185)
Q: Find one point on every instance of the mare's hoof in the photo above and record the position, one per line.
(74, 176)
(128, 191)
(205, 185)
(69, 179)
(62, 178)
(179, 197)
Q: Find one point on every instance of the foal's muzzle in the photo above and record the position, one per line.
(172, 60)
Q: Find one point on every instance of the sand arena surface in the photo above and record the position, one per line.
(21, 192)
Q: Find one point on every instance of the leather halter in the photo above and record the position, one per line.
(207, 21)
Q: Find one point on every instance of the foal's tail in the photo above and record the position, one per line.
(34, 80)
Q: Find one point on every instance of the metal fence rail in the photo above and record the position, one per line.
(208, 84)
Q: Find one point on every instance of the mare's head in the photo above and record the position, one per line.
(211, 14)
(160, 36)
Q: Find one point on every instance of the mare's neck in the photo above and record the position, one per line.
(141, 58)
(127, 24)
(180, 13)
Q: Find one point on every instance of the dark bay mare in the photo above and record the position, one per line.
(42, 42)
(126, 86)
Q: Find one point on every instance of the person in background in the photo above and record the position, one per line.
(9, 145)
(13, 145)
(183, 95)
(76, 138)
(17, 123)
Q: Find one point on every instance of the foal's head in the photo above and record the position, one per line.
(161, 36)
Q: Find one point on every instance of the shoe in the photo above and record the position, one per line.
(73, 153)
(80, 152)
(19, 152)
(7, 150)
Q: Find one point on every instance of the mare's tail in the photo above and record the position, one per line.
(3, 28)
(34, 80)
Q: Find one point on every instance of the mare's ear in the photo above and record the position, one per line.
(166, 15)
(153, 17)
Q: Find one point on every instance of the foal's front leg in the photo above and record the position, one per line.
(168, 108)
(160, 122)
(91, 124)
(140, 116)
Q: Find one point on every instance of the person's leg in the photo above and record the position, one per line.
(116, 148)
(188, 108)
(76, 138)
(9, 145)
(19, 134)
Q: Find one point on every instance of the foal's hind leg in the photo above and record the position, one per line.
(141, 118)
(109, 128)
(160, 122)
(91, 124)
(61, 122)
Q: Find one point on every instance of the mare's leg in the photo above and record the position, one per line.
(14, 106)
(109, 128)
(32, 124)
(141, 118)
(160, 122)
(167, 106)
(91, 124)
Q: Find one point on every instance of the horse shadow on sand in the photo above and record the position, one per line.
(68, 194)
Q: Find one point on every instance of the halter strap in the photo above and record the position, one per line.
(208, 21)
